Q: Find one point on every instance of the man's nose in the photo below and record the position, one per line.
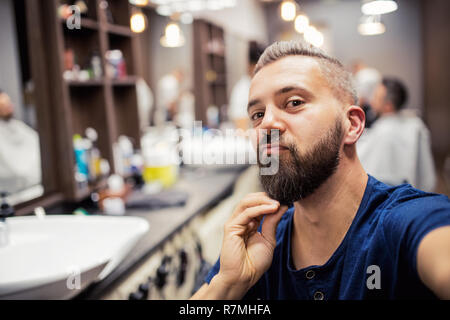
(272, 120)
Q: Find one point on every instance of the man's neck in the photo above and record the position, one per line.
(322, 219)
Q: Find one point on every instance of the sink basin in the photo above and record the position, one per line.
(57, 256)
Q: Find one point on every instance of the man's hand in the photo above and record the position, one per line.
(246, 253)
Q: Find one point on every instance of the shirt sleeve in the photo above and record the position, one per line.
(411, 220)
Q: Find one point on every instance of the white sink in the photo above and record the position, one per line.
(45, 256)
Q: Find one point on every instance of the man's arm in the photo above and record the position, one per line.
(218, 290)
(433, 261)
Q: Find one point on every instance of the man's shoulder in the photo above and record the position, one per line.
(406, 196)
(406, 203)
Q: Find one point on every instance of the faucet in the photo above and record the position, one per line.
(5, 211)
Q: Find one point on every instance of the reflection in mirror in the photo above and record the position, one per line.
(20, 158)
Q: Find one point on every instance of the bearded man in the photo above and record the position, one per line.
(324, 228)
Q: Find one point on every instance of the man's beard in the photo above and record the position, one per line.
(299, 175)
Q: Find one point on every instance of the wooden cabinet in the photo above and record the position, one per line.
(210, 72)
(107, 103)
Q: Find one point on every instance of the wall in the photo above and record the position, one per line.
(397, 52)
(164, 60)
(9, 57)
(437, 74)
(246, 20)
(242, 23)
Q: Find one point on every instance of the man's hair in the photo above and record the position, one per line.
(1, 91)
(339, 79)
(396, 92)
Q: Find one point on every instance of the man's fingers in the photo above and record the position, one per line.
(253, 200)
(249, 214)
(270, 223)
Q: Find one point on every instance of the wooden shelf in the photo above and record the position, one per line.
(126, 81)
(119, 30)
(87, 83)
(85, 23)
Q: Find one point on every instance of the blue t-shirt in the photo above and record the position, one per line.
(378, 250)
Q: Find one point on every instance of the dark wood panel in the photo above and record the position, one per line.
(210, 67)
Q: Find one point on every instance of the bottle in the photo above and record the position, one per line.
(126, 150)
(82, 168)
(96, 64)
(114, 204)
(94, 154)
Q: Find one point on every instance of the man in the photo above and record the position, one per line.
(20, 158)
(397, 149)
(366, 80)
(169, 91)
(237, 111)
(345, 234)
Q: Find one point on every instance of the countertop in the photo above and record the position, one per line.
(205, 187)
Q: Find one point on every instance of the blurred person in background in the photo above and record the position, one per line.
(20, 161)
(397, 149)
(237, 111)
(366, 80)
(145, 102)
(169, 91)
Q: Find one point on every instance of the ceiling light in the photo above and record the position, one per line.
(164, 10)
(301, 23)
(371, 7)
(313, 36)
(288, 10)
(196, 5)
(138, 22)
(186, 18)
(173, 37)
(214, 5)
(229, 3)
(139, 3)
(371, 25)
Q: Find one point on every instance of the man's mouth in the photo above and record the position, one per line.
(273, 148)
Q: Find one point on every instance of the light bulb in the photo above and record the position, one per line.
(164, 10)
(138, 22)
(313, 36)
(371, 25)
(372, 7)
(301, 23)
(371, 28)
(173, 36)
(288, 10)
(140, 3)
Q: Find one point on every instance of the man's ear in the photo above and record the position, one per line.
(356, 119)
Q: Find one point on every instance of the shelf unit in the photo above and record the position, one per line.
(210, 68)
(108, 105)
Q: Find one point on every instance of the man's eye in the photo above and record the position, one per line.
(257, 115)
(294, 103)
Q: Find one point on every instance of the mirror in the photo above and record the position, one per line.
(20, 157)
